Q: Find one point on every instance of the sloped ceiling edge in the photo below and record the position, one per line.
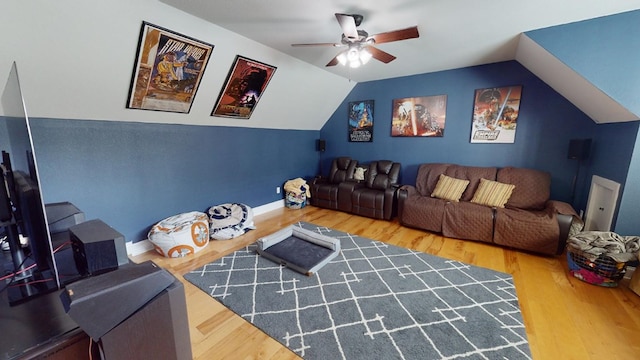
(591, 100)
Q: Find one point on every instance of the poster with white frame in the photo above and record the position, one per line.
(495, 115)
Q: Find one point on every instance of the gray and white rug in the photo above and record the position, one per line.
(373, 301)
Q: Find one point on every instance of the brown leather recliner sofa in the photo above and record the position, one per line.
(375, 196)
(528, 221)
(324, 191)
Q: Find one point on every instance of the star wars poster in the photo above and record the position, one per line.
(495, 115)
(243, 89)
(419, 116)
(361, 121)
(168, 70)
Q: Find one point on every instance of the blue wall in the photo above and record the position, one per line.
(604, 51)
(546, 123)
(628, 222)
(612, 152)
(132, 175)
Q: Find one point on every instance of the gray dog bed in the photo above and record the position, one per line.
(299, 249)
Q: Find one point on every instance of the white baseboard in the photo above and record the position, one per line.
(141, 247)
(137, 248)
(268, 207)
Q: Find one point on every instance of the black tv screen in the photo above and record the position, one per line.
(20, 174)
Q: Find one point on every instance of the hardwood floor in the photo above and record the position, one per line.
(565, 318)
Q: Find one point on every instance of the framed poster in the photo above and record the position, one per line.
(361, 121)
(243, 88)
(495, 115)
(167, 71)
(419, 116)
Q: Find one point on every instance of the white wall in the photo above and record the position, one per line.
(75, 60)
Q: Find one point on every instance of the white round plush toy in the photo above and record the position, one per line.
(181, 235)
(227, 221)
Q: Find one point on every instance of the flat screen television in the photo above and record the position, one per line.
(34, 268)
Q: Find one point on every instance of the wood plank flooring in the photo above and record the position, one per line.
(565, 318)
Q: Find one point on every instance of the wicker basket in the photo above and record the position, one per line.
(295, 201)
(603, 271)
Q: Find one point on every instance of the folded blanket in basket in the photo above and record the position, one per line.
(297, 186)
(595, 243)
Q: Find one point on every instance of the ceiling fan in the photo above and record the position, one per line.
(360, 43)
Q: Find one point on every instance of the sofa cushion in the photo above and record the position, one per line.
(428, 176)
(535, 231)
(473, 174)
(492, 193)
(449, 188)
(369, 202)
(382, 174)
(342, 169)
(423, 212)
(532, 187)
(465, 220)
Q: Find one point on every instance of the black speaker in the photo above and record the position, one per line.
(63, 215)
(98, 304)
(158, 330)
(97, 247)
(321, 145)
(579, 149)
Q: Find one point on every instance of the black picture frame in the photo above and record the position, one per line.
(360, 121)
(167, 71)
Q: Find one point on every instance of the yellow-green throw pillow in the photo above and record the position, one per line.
(492, 193)
(449, 188)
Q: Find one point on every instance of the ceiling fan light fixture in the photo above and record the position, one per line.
(365, 56)
(342, 59)
(358, 42)
(353, 55)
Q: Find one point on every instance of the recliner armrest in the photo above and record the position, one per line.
(320, 180)
(566, 215)
(402, 194)
(391, 200)
(564, 223)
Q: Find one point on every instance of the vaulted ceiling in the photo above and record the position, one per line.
(453, 33)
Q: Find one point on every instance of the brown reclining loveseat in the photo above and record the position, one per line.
(324, 191)
(374, 196)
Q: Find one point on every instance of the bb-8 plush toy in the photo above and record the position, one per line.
(180, 235)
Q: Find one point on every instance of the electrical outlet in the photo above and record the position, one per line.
(277, 189)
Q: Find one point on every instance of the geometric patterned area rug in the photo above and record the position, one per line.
(373, 301)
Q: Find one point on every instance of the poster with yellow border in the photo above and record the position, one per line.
(167, 71)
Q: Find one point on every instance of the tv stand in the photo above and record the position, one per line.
(25, 284)
(40, 328)
(31, 286)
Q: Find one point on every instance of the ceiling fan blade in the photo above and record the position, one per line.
(320, 44)
(348, 25)
(380, 55)
(335, 61)
(397, 35)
